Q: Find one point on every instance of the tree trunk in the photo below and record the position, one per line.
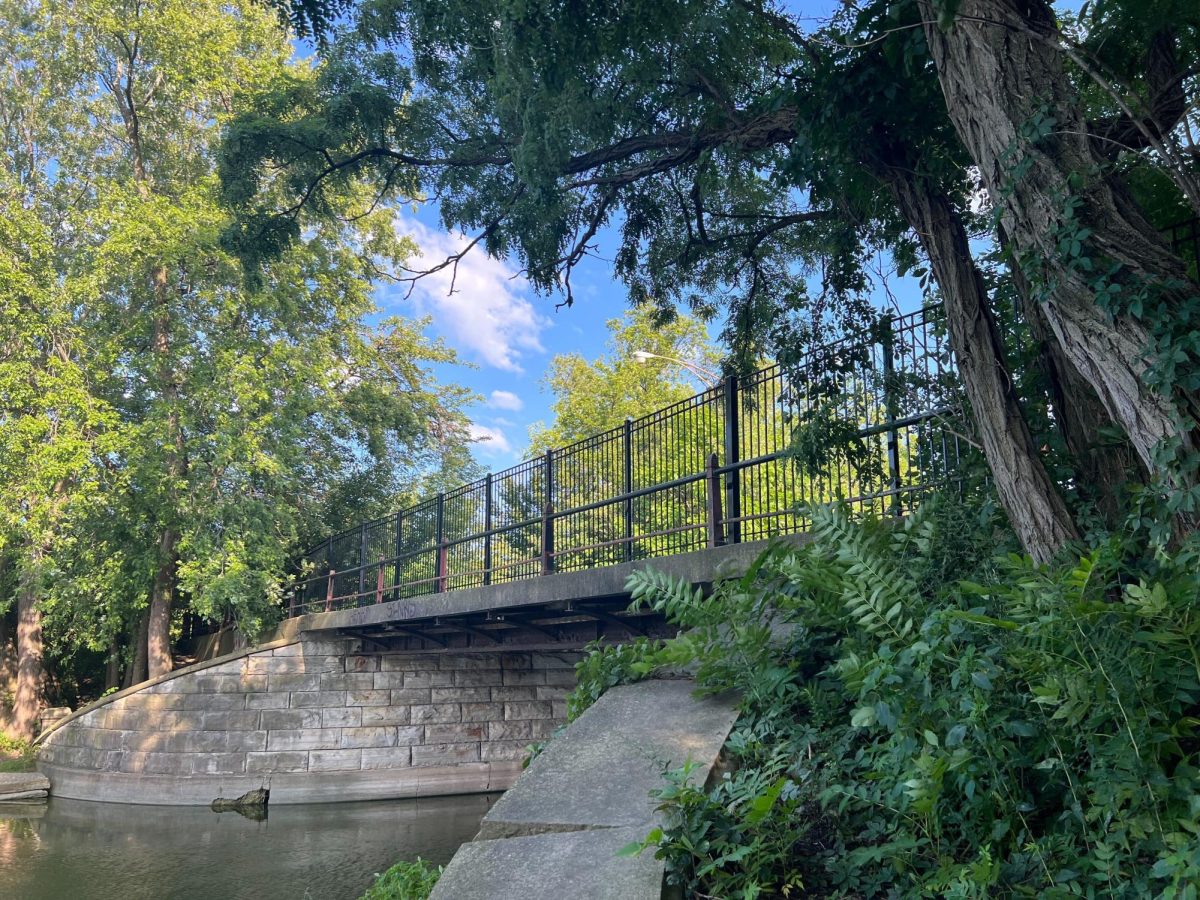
(31, 672)
(158, 619)
(1002, 73)
(136, 673)
(112, 668)
(163, 593)
(1103, 466)
(1036, 510)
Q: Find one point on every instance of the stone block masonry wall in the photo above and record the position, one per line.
(319, 706)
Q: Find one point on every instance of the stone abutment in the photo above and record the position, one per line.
(314, 719)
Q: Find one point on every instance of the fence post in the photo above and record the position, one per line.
(399, 552)
(712, 480)
(628, 478)
(362, 563)
(439, 541)
(443, 567)
(733, 475)
(892, 411)
(329, 590)
(487, 530)
(548, 518)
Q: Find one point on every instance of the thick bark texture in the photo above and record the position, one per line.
(1001, 69)
(31, 672)
(1103, 467)
(158, 643)
(1038, 513)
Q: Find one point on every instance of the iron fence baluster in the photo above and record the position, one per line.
(362, 564)
(892, 411)
(399, 552)
(548, 517)
(627, 479)
(712, 482)
(733, 494)
(487, 530)
(439, 543)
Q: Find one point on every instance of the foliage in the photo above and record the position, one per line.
(592, 397)
(405, 880)
(608, 665)
(16, 756)
(166, 419)
(1029, 731)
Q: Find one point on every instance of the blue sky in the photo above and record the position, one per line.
(508, 333)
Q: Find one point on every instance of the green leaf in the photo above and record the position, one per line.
(863, 717)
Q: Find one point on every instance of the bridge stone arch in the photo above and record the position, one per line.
(314, 719)
(392, 700)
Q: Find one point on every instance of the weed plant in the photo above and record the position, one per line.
(922, 717)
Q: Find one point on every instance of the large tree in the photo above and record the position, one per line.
(1116, 297)
(171, 430)
(732, 148)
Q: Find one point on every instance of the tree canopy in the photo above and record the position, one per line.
(737, 149)
(171, 431)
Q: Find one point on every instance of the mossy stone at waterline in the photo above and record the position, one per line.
(251, 800)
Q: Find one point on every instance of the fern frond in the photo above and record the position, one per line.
(875, 592)
(674, 597)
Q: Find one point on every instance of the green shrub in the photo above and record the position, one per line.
(15, 755)
(405, 881)
(906, 731)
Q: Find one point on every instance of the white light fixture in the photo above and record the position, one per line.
(709, 379)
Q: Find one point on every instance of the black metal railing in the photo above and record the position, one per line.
(706, 471)
(710, 470)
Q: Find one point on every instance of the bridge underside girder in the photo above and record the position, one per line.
(568, 624)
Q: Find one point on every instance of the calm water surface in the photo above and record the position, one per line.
(76, 850)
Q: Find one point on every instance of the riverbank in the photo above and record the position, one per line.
(16, 756)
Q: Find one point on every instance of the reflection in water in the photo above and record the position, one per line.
(78, 850)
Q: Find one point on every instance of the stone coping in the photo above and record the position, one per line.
(286, 788)
(599, 772)
(575, 864)
(283, 637)
(698, 566)
(22, 783)
(555, 833)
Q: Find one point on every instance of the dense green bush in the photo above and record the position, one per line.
(907, 732)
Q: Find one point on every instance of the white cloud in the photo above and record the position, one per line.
(488, 315)
(506, 400)
(491, 440)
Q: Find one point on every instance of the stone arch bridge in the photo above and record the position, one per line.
(424, 651)
(440, 694)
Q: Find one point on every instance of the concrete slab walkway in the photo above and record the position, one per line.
(555, 833)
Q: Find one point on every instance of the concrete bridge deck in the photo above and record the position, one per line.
(556, 608)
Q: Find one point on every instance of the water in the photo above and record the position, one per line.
(77, 850)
